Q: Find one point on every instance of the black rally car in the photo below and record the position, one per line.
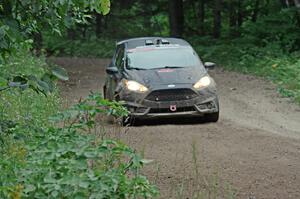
(161, 77)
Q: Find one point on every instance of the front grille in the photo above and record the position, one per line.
(171, 95)
(167, 110)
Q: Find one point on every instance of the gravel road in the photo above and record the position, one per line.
(252, 152)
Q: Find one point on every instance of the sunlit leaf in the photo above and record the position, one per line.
(105, 6)
(18, 82)
(43, 87)
(145, 161)
(60, 73)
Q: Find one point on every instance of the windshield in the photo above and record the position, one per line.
(162, 58)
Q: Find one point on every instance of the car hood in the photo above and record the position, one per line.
(153, 77)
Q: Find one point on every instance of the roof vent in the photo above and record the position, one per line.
(164, 41)
(149, 42)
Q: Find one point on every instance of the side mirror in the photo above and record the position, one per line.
(209, 65)
(112, 70)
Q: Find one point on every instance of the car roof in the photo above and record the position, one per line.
(141, 41)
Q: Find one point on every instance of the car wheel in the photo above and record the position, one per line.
(104, 93)
(212, 117)
(127, 121)
(131, 121)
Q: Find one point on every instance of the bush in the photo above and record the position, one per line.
(62, 157)
(93, 47)
(278, 28)
(22, 113)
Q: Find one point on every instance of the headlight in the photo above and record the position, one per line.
(203, 82)
(134, 86)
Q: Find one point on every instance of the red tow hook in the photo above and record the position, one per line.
(173, 108)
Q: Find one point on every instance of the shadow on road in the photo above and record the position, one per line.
(169, 121)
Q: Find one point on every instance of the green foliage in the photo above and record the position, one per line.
(16, 104)
(22, 113)
(61, 46)
(23, 71)
(278, 28)
(268, 47)
(16, 24)
(270, 61)
(134, 18)
(84, 114)
(71, 165)
(41, 160)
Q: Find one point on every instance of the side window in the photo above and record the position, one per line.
(119, 58)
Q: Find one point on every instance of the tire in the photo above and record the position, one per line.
(104, 92)
(212, 117)
(127, 121)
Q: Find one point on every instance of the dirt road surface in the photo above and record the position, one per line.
(252, 152)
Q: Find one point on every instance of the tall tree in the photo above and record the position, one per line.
(125, 4)
(297, 3)
(176, 18)
(283, 3)
(99, 24)
(217, 18)
(232, 8)
(232, 14)
(240, 15)
(201, 16)
(255, 11)
(146, 6)
(289, 3)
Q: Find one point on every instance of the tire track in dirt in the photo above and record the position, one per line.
(255, 147)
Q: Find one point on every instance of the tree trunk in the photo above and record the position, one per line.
(125, 4)
(217, 19)
(37, 42)
(290, 3)
(202, 16)
(297, 3)
(98, 25)
(232, 18)
(240, 18)
(6, 8)
(146, 6)
(232, 14)
(283, 3)
(255, 11)
(176, 18)
(71, 34)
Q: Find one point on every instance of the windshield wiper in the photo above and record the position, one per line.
(169, 67)
(136, 68)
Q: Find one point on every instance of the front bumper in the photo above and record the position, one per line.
(139, 106)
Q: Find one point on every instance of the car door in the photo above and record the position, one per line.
(113, 79)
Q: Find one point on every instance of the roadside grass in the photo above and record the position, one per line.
(211, 187)
(22, 113)
(198, 181)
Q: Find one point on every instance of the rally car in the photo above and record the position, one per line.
(159, 78)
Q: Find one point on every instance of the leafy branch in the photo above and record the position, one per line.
(44, 85)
